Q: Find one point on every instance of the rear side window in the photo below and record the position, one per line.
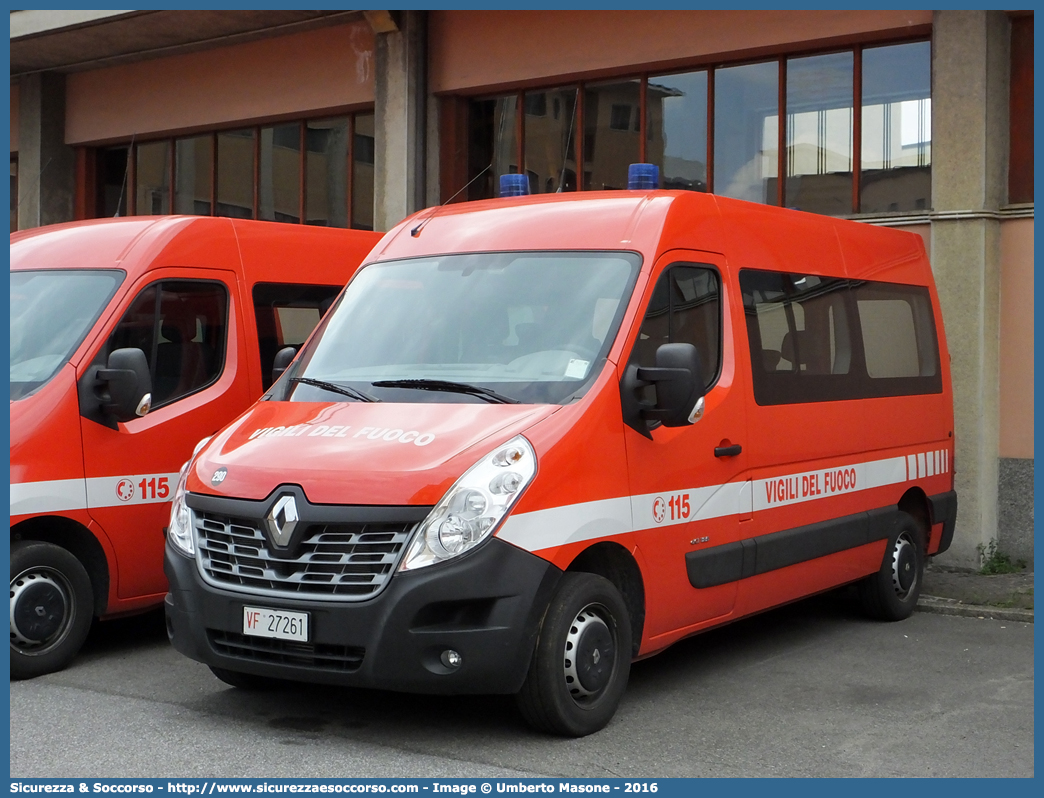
(286, 314)
(818, 339)
(898, 330)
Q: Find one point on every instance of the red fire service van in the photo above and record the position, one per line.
(538, 438)
(132, 339)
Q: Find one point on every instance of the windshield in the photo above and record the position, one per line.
(51, 312)
(530, 327)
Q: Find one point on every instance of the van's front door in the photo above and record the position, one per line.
(689, 491)
(185, 321)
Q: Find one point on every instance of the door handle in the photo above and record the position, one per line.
(727, 451)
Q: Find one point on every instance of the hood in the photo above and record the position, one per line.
(356, 453)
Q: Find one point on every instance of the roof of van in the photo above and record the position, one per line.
(137, 243)
(651, 222)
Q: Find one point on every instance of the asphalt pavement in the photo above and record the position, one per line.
(812, 689)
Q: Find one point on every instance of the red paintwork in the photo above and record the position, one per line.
(49, 438)
(585, 452)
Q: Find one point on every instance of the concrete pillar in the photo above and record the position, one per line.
(46, 166)
(969, 180)
(400, 95)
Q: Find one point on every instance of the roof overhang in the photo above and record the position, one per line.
(69, 41)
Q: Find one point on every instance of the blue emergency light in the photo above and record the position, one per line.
(514, 185)
(643, 176)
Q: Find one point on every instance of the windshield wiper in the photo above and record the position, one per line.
(449, 387)
(344, 390)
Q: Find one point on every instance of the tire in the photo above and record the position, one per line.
(578, 695)
(246, 681)
(891, 594)
(52, 606)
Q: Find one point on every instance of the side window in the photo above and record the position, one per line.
(803, 325)
(181, 326)
(819, 339)
(685, 308)
(286, 314)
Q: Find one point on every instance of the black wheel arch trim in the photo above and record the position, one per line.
(741, 559)
(944, 510)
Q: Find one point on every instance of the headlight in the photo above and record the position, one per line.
(179, 530)
(474, 506)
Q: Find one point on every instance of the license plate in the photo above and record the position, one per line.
(277, 624)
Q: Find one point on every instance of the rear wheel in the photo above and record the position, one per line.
(246, 681)
(891, 594)
(581, 661)
(51, 608)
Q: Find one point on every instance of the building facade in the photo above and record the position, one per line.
(913, 119)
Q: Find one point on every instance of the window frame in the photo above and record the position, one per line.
(132, 146)
(710, 66)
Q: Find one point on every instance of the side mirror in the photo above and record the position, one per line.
(678, 380)
(129, 385)
(284, 357)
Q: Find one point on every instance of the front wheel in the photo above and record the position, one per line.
(51, 608)
(891, 594)
(581, 661)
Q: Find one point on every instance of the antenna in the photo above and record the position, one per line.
(126, 175)
(569, 136)
(417, 230)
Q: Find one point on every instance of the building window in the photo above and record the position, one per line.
(493, 143)
(316, 171)
(896, 172)
(819, 133)
(326, 179)
(549, 147)
(279, 174)
(153, 178)
(718, 129)
(361, 179)
(193, 176)
(676, 121)
(235, 174)
(609, 148)
(1020, 165)
(113, 175)
(746, 132)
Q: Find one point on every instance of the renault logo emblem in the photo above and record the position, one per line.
(281, 520)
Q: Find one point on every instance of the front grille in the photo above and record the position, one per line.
(333, 561)
(343, 659)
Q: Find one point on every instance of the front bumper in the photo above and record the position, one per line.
(486, 605)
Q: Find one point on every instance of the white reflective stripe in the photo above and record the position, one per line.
(124, 490)
(31, 498)
(714, 501)
(558, 526)
(825, 482)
